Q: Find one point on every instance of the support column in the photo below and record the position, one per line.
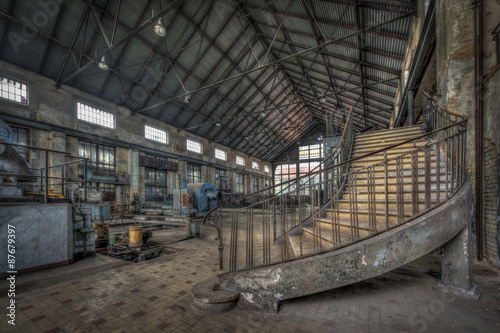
(58, 143)
(411, 117)
(456, 268)
(134, 172)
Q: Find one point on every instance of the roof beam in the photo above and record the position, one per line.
(341, 57)
(278, 61)
(337, 25)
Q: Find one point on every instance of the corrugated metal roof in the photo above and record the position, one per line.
(208, 43)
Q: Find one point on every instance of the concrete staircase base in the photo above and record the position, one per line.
(264, 288)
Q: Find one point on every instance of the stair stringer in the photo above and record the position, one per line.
(263, 288)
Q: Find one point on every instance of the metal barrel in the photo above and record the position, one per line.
(135, 237)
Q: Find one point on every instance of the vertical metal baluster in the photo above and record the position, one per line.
(446, 169)
(337, 212)
(428, 189)
(386, 187)
(246, 240)
(464, 152)
(399, 189)
(438, 173)
(372, 203)
(332, 212)
(356, 215)
(318, 223)
(351, 205)
(414, 182)
(453, 166)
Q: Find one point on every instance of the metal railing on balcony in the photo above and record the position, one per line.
(360, 198)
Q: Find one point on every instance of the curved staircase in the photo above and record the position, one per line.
(396, 195)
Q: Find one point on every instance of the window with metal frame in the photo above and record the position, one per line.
(220, 154)
(239, 183)
(155, 134)
(221, 179)
(240, 160)
(266, 168)
(284, 173)
(194, 146)
(255, 184)
(255, 165)
(155, 185)
(101, 158)
(13, 90)
(95, 116)
(304, 169)
(193, 174)
(311, 152)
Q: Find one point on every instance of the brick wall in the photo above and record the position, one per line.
(490, 200)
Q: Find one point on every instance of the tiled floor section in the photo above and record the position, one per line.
(100, 295)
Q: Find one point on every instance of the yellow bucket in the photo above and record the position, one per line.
(135, 237)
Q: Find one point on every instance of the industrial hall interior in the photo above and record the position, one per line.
(249, 166)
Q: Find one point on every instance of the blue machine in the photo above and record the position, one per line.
(205, 197)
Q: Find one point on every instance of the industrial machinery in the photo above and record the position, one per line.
(206, 197)
(134, 245)
(183, 202)
(15, 175)
(230, 196)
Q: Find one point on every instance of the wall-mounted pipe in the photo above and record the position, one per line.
(411, 96)
(478, 116)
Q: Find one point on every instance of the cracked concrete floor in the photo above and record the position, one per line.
(102, 294)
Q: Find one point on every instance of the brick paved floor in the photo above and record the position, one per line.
(101, 294)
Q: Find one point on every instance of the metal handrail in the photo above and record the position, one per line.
(332, 157)
(414, 191)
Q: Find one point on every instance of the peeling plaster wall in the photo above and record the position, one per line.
(455, 62)
(491, 140)
(57, 107)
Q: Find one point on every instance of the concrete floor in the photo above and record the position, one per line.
(102, 294)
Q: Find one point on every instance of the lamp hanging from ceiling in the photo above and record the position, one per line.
(160, 29)
(102, 64)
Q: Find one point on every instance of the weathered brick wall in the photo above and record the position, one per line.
(490, 200)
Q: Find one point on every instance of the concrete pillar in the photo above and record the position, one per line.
(133, 170)
(455, 62)
(58, 143)
(411, 117)
(456, 268)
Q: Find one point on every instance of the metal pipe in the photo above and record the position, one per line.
(85, 180)
(411, 96)
(478, 116)
(46, 199)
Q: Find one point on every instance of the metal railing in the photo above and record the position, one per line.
(369, 194)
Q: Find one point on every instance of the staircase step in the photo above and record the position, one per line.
(208, 298)
(346, 213)
(379, 173)
(327, 236)
(391, 163)
(363, 149)
(380, 205)
(326, 224)
(391, 180)
(363, 187)
(392, 196)
(407, 132)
